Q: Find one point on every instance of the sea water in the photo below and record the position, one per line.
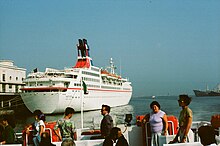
(203, 108)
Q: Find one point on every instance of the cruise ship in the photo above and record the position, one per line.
(83, 86)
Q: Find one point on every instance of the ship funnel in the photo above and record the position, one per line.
(81, 48)
(84, 60)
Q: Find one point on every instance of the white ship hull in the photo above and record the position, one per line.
(56, 102)
(54, 90)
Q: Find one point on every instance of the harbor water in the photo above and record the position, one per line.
(203, 108)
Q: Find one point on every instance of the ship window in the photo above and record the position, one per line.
(16, 88)
(16, 78)
(69, 76)
(66, 84)
(3, 87)
(3, 77)
(10, 77)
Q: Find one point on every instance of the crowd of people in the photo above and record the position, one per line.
(112, 135)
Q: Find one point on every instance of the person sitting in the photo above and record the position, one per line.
(207, 135)
(115, 136)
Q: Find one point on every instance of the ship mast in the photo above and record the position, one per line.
(112, 66)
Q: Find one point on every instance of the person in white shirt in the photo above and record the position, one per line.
(38, 126)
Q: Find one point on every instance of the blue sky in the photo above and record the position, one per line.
(163, 46)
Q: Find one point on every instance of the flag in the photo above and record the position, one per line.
(84, 87)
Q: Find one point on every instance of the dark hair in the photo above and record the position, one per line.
(185, 98)
(207, 135)
(107, 108)
(39, 115)
(68, 142)
(154, 103)
(9, 119)
(69, 110)
(114, 133)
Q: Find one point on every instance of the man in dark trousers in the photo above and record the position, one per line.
(106, 123)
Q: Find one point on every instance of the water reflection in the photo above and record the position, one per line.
(92, 119)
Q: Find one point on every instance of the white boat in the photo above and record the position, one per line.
(136, 135)
(54, 90)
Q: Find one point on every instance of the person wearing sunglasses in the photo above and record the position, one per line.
(185, 120)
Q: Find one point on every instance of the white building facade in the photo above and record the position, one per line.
(11, 77)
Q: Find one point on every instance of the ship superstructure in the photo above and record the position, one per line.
(54, 90)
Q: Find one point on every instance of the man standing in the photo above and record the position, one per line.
(107, 122)
(66, 126)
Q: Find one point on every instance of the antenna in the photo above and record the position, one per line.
(120, 66)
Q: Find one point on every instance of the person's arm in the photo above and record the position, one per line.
(109, 124)
(74, 136)
(189, 123)
(165, 122)
(3, 142)
(41, 129)
(56, 131)
(58, 134)
(146, 118)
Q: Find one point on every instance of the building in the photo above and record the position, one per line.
(11, 77)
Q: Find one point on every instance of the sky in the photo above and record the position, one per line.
(164, 47)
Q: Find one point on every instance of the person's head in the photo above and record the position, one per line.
(68, 142)
(155, 106)
(184, 100)
(105, 109)
(38, 115)
(115, 133)
(5, 120)
(207, 135)
(8, 120)
(69, 112)
(45, 139)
